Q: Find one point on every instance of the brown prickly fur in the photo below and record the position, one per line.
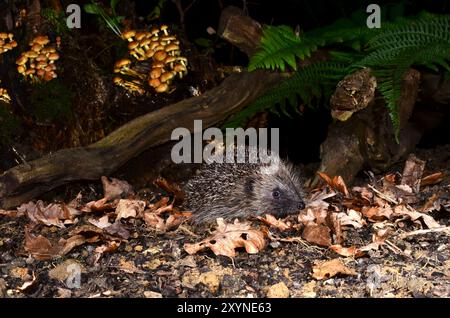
(241, 190)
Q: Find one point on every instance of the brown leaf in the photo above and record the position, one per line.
(328, 269)
(376, 213)
(352, 218)
(274, 222)
(100, 223)
(434, 178)
(335, 225)
(105, 248)
(229, 236)
(98, 206)
(402, 210)
(129, 208)
(339, 185)
(317, 234)
(170, 188)
(52, 214)
(326, 178)
(413, 172)
(117, 229)
(12, 213)
(40, 247)
(353, 251)
(115, 189)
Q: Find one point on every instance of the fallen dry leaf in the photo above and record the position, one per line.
(105, 248)
(378, 239)
(336, 183)
(52, 214)
(115, 189)
(376, 213)
(129, 267)
(274, 222)
(352, 218)
(101, 223)
(328, 269)
(229, 236)
(432, 179)
(129, 208)
(412, 173)
(317, 234)
(12, 213)
(402, 210)
(170, 188)
(98, 206)
(42, 249)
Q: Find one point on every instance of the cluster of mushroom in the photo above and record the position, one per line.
(39, 62)
(6, 42)
(164, 52)
(4, 96)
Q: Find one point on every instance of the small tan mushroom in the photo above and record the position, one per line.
(164, 28)
(156, 72)
(160, 56)
(128, 35)
(162, 88)
(166, 76)
(21, 60)
(154, 82)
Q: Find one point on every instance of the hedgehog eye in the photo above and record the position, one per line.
(276, 194)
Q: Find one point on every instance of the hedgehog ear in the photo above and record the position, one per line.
(249, 185)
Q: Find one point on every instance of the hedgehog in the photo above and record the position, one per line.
(244, 190)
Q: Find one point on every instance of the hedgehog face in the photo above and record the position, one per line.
(278, 191)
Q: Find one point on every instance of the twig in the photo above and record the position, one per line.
(445, 229)
(382, 195)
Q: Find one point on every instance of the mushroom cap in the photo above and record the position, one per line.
(122, 62)
(156, 72)
(29, 72)
(41, 64)
(40, 72)
(145, 42)
(128, 34)
(41, 57)
(133, 45)
(36, 47)
(160, 55)
(166, 76)
(154, 31)
(162, 88)
(41, 40)
(3, 35)
(48, 49)
(171, 47)
(21, 69)
(53, 56)
(163, 27)
(154, 82)
(170, 59)
(157, 64)
(117, 80)
(31, 54)
(13, 43)
(140, 35)
(21, 60)
(179, 68)
(48, 76)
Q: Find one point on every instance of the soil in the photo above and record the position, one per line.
(152, 264)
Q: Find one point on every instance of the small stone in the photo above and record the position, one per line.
(128, 248)
(138, 248)
(152, 294)
(279, 290)
(210, 280)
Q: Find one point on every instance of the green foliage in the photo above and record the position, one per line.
(8, 125)
(56, 19)
(156, 11)
(112, 22)
(311, 84)
(389, 51)
(52, 100)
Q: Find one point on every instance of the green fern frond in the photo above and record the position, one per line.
(310, 83)
(280, 46)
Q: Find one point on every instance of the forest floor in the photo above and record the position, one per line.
(41, 252)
